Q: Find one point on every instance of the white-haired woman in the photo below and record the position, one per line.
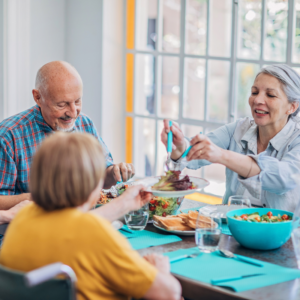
(261, 154)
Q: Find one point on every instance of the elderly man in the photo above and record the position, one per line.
(58, 95)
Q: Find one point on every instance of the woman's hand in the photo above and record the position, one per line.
(135, 197)
(179, 144)
(160, 262)
(204, 148)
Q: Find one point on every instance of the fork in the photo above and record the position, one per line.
(193, 255)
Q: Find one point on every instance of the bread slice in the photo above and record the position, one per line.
(171, 223)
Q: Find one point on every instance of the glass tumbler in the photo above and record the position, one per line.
(296, 234)
(208, 232)
(237, 202)
(137, 219)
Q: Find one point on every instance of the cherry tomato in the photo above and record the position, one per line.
(164, 214)
(269, 214)
(244, 217)
(284, 217)
(152, 208)
(165, 205)
(152, 201)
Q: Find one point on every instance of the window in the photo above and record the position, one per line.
(194, 61)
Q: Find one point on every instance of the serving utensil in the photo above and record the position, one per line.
(177, 258)
(225, 279)
(229, 254)
(169, 149)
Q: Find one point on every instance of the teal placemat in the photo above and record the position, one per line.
(144, 239)
(206, 267)
(225, 229)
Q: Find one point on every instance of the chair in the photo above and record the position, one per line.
(38, 284)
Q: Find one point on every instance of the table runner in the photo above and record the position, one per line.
(145, 238)
(206, 267)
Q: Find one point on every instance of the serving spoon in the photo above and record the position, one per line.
(169, 149)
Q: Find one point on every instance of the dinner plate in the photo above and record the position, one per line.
(179, 232)
(222, 209)
(200, 183)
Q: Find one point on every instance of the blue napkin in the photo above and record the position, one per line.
(206, 267)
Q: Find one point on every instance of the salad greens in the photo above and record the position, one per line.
(171, 182)
(163, 206)
(267, 218)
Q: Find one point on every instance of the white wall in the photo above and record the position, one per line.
(112, 94)
(47, 33)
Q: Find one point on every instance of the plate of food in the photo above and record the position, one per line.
(107, 195)
(173, 184)
(181, 224)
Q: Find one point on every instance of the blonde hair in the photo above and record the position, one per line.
(65, 170)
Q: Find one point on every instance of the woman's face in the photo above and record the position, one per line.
(268, 102)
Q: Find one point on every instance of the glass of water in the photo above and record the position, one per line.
(296, 234)
(208, 232)
(137, 219)
(239, 202)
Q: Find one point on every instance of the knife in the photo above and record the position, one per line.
(225, 279)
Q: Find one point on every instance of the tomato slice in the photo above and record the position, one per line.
(269, 214)
(152, 208)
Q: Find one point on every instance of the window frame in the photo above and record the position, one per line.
(233, 59)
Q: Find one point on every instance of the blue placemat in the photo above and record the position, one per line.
(144, 239)
(225, 229)
(206, 267)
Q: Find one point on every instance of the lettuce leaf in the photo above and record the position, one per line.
(171, 182)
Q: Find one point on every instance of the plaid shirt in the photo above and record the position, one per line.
(20, 135)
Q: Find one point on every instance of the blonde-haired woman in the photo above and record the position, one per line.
(67, 174)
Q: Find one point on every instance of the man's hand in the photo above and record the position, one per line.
(118, 172)
(7, 215)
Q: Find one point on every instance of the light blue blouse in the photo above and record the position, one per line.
(278, 184)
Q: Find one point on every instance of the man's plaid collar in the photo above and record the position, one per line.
(40, 120)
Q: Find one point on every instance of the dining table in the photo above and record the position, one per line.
(191, 289)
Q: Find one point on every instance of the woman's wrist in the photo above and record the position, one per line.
(178, 152)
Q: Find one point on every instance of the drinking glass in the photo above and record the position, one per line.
(208, 231)
(137, 219)
(239, 202)
(296, 234)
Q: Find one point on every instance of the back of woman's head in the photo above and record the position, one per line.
(289, 79)
(65, 170)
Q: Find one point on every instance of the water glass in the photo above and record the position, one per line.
(296, 234)
(239, 202)
(137, 219)
(208, 231)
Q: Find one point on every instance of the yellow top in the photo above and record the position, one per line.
(105, 264)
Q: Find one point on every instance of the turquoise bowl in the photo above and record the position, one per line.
(259, 236)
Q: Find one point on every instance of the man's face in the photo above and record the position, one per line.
(60, 103)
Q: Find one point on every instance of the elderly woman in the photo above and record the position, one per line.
(65, 183)
(261, 154)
